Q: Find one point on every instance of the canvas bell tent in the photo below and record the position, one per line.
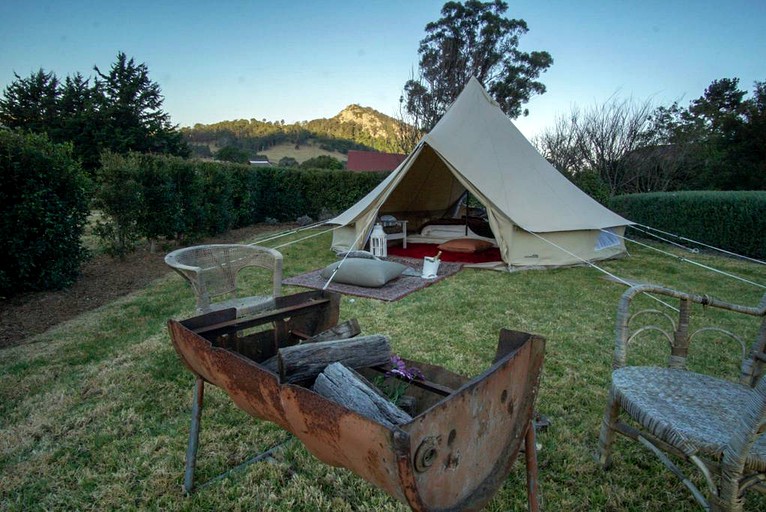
(537, 217)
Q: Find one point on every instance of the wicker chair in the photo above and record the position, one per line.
(212, 271)
(714, 424)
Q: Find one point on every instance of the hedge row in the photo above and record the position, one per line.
(156, 197)
(735, 221)
(43, 210)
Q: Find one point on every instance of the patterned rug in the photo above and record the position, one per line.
(393, 290)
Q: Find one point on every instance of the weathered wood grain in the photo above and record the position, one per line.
(346, 387)
(307, 360)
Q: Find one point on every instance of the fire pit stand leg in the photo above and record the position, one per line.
(530, 453)
(191, 451)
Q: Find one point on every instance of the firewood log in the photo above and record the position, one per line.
(346, 387)
(307, 360)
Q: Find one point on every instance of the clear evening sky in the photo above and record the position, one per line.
(301, 60)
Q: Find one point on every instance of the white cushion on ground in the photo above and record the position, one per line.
(363, 272)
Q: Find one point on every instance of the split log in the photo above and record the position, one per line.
(306, 361)
(349, 389)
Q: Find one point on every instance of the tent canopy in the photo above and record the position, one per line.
(476, 147)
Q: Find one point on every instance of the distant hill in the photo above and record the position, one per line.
(354, 127)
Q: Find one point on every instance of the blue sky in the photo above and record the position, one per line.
(301, 60)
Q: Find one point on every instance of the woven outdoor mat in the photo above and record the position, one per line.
(393, 290)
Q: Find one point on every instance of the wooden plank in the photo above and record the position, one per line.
(268, 316)
(428, 385)
(214, 317)
(349, 389)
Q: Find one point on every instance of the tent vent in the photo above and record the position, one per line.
(606, 239)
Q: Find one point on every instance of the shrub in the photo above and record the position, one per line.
(592, 184)
(157, 197)
(322, 162)
(734, 221)
(244, 196)
(188, 218)
(288, 161)
(159, 210)
(218, 206)
(43, 210)
(119, 197)
(336, 190)
(233, 154)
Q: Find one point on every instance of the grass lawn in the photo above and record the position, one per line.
(94, 414)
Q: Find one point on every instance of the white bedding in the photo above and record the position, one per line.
(440, 233)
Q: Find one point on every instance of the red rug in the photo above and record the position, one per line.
(420, 251)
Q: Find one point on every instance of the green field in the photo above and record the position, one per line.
(301, 154)
(94, 414)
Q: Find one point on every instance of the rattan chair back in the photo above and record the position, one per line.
(213, 270)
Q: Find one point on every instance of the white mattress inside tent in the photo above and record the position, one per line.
(440, 233)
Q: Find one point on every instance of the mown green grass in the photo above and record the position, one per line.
(94, 414)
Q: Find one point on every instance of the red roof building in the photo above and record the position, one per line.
(370, 161)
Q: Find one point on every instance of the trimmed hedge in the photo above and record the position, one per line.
(173, 198)
(735, 221)
(43, 210)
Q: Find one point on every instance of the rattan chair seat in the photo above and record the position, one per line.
(688, 410)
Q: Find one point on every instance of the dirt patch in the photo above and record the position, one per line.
(103, 279)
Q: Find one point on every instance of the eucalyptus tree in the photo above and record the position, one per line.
(472, 39)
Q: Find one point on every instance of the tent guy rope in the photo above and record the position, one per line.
(591, 264)
(695, 263)
(304, 238)
(329, 280)
(303, 228)
(692, 250)
(273, 236)
(754, 260)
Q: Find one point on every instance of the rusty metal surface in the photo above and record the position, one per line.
(475, 433)
(453, 455)
(530, 454)
(340, 437)
(252, 388)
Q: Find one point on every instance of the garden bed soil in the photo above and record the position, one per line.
(102, 280)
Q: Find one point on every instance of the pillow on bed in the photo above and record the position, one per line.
(364, 272)
(468, 245)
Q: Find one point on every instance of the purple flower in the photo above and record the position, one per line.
(400, 369)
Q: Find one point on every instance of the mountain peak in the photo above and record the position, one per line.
(372, 121)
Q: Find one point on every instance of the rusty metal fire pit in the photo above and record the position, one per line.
(455, 453)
